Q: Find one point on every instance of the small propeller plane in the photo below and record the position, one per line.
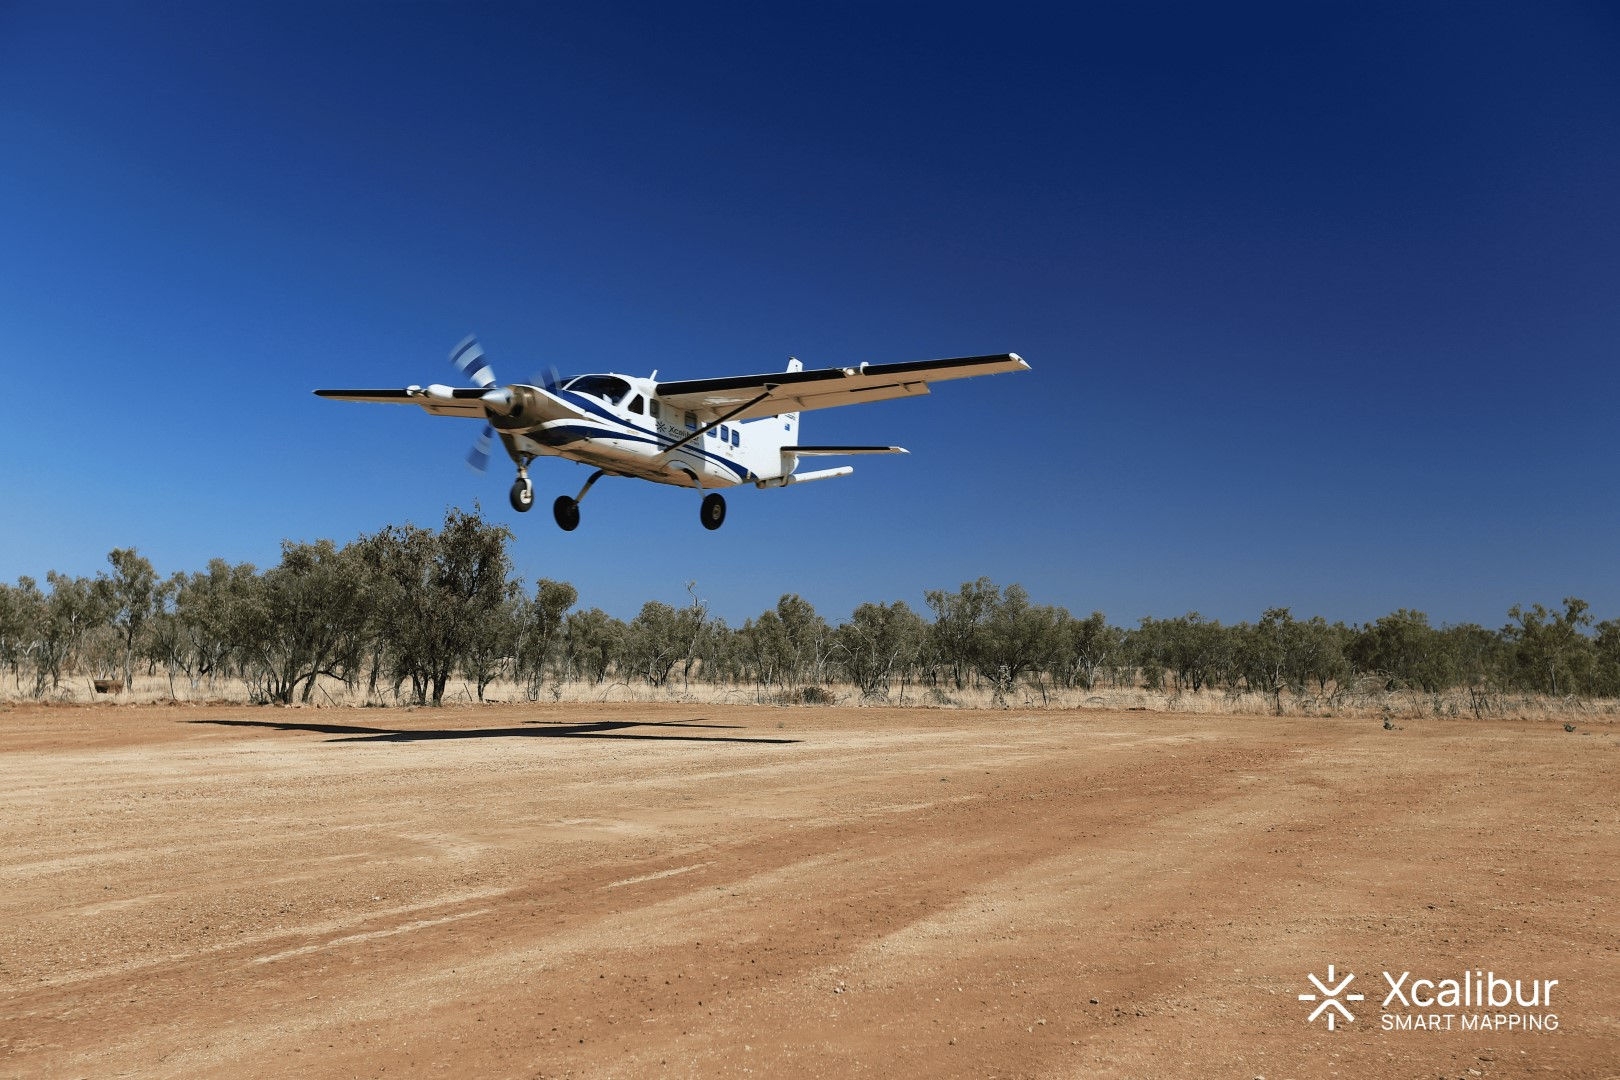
(697, 433)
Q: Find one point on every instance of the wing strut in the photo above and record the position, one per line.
(770, 388)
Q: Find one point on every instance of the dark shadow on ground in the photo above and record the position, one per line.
(602, 729)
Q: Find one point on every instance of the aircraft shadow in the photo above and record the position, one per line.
(602, 729)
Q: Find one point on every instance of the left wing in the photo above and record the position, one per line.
(823, 388)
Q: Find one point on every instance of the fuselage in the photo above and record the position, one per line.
(618, 423)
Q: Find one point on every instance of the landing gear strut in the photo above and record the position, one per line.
(566, 510)
(713, 511)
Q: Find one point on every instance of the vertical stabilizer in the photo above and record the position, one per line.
(790, 420)
(784, 431)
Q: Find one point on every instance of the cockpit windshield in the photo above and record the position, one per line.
(609, 388)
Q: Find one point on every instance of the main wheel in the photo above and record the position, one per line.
(566, 511)
(713, 511)
(522, 495)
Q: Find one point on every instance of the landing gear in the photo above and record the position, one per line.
(566, 510)
(522, 494)
(713, 511)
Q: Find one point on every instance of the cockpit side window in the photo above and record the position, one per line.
(609, 388)
(635, 404)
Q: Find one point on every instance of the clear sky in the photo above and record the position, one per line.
(1322, 300)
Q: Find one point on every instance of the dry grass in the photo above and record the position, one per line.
(1460, 703)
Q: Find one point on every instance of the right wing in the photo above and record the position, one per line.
(795, 391)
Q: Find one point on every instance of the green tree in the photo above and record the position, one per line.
(1548, 650)
(165, 640)
(879, 643)
(1016, 637)
(131, 597)
(210, 608)
(74, 608)
(540, 628)
(788, 645)
(492, 643)
(22, 620)
(591, 641)
(435, 592)
(1606, 663)
(654, 641)
(694, 633)
(724, 659)
(299, 619)
(1276, 654)
(1404, 650)
(1472, 654)
(1193, 651)
(958, 621)
(1087, 647)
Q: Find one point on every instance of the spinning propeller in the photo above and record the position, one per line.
(468, 358)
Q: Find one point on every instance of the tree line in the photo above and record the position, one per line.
(402, 612)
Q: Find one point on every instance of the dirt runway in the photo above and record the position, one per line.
(635, 890)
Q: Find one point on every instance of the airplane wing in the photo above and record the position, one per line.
(439, 400)
(823, 388)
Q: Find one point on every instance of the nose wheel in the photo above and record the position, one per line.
(522, 495)
(713, 511)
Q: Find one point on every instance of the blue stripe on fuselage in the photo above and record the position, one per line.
(587, 430)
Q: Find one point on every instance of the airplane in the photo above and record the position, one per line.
(698, 433)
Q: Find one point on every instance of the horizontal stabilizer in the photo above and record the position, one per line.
(829, 451)
(804, 477)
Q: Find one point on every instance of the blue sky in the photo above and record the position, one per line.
(1322, 301)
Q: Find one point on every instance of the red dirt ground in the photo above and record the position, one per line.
(629, 890)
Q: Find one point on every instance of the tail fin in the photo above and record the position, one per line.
(790, 420)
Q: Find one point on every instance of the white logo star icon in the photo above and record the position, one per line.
(1330, 998)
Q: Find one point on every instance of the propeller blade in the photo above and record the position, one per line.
(478, 456)
(468, 358)
(546, 379)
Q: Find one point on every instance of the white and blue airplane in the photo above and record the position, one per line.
(697, 433)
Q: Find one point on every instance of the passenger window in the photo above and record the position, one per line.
(635, 404)
(725, 434)
(691, 421)
(710, 433)
(736, 440)
(652, 407)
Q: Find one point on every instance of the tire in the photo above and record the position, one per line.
(522, 495)
(713, 511)
(566, 511)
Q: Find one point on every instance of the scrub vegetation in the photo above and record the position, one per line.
(409, 614)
